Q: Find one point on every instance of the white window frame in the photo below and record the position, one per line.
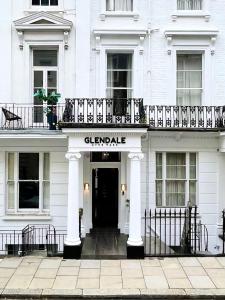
(202, 83)
(16, 209)
(207, 64)
(105, 13)
(45, 70)
(131, 70)
(187, 180)
(203, 13)
(53, 8)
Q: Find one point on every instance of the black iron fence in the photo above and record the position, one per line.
(10, 242)
(222, 233)
(174, 232)
(109, 111)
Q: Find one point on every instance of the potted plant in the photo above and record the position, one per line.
(51, 100)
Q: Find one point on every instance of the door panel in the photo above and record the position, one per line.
(105, 197)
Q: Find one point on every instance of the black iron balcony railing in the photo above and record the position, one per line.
(100, 112)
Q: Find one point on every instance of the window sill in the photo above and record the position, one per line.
(121, 14)
(191, 14)
(25, 217)
(57, 10)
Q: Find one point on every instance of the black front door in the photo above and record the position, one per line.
(105, 197)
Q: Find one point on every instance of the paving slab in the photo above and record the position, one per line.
(201, 282)
(110, 263)
(90, 264)
(174, 273)
(210, 262)
(111, 282)
(50, 263)
(132, 273)
(152, 271)
(68, 271)
(65, 282)
(10, 263)
(86, 283)
(5, 272)
(156, 282)
(89, 273)
(150, 262)
(46, 273)
(110, 271)
(19, 282)
(195, 271)
(3, 282)
(70, 263)
(130, 264)
(134, 283)
(189, 262)
(41, 283)
(179, 283)
(26, 270)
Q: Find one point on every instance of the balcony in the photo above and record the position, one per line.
(104, 112)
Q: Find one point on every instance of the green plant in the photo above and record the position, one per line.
(51, 99)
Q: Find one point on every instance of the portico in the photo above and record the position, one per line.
(88, 140)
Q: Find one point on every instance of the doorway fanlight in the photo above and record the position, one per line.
(123, 188)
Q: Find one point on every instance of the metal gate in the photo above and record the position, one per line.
(174, 232)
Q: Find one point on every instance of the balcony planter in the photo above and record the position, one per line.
(51, 110)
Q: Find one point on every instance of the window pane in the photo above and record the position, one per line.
(46, 195)
(45, 58)
(38, 79)
(35, 2)
(46, 166)
(119, 61)
(158, 165)
(189, 97)
(28, 195)
(44, 2)
(53, 2)
(11, 191)
(176, 165)
(10, 166)
(189, 4)
(52, 79)
(119, 5)
(28, 166)
(159, 193)
(175, 193)
(192, 192)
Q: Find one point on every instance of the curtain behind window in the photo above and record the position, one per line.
(189, 4)
(119, 5)
(189, 79)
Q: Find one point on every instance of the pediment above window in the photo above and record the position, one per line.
(42, 21)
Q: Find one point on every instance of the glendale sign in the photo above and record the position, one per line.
(105, 140)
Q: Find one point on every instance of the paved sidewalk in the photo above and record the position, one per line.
(34, 276)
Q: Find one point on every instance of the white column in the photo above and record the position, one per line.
(135, 199)
(73, 237)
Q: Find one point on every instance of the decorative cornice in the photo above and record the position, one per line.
(136, 155)
(53, 22)
(120, 31)
(73, 156)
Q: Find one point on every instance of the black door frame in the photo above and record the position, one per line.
(106, 166)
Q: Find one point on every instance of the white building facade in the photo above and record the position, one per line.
(142, 124)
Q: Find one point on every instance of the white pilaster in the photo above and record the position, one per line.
(135, 199)
(73, 237)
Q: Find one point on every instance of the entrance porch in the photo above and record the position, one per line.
(99, 188)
